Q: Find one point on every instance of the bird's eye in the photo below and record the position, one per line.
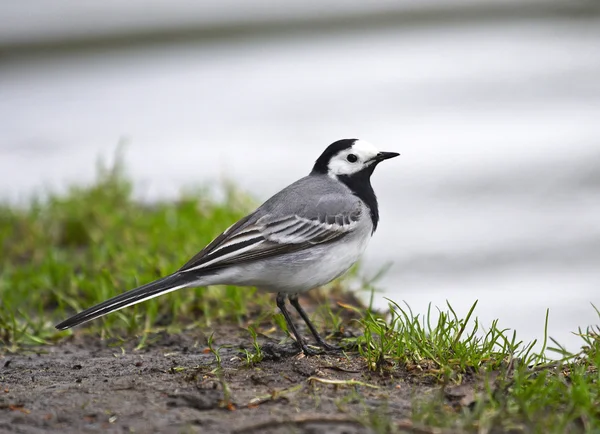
(352, 158)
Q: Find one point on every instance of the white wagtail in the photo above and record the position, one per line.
(308, 234)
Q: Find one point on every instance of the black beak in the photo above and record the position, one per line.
(385, 156)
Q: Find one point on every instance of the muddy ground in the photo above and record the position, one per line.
(171, 386)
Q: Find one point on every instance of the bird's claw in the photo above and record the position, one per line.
(329, 347)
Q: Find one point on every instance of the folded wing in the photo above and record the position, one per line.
(262, 237)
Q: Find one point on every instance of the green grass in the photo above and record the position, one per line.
(66, 252)
(506, 386)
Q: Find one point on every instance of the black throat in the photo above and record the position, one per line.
(360, 185)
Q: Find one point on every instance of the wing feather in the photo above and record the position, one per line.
(255, 238)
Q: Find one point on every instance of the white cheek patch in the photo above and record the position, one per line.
(339, 165)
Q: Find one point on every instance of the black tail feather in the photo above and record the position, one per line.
(133, 296)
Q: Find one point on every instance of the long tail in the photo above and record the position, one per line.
(133, 296)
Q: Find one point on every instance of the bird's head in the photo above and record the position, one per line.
(349, 157)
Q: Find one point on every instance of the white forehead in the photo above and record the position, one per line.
(364, 149)
(365, 153)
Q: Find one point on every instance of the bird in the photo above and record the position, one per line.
(303, 237)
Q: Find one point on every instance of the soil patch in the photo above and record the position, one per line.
(174, 385)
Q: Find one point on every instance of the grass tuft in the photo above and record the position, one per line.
(488, 378)
(67, 252)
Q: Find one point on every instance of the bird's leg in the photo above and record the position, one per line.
(294, 302)
(281, 305)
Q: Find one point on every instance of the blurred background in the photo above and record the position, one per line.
(494, 106)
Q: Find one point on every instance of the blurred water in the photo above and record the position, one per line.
(495, 197)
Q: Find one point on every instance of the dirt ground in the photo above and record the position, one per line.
(171, 386)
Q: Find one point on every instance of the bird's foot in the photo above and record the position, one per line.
(326, 348)
(309, 351)
(329, 347)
